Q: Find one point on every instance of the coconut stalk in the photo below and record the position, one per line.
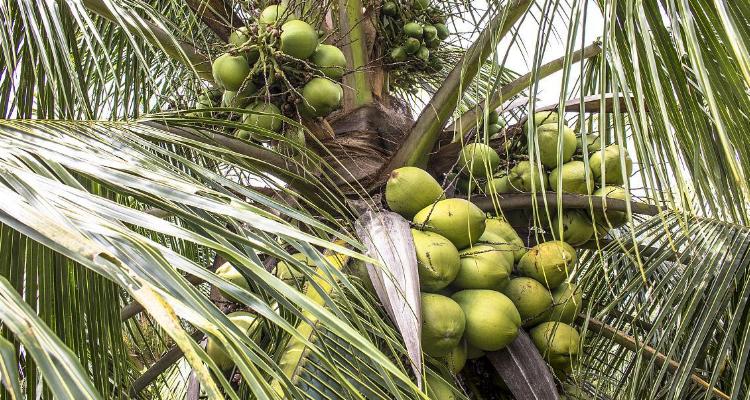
(524, 371)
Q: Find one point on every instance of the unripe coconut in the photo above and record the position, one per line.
(298, 39)
(291, 274)
(523, 177)
(203, 102)
(459, 220)
(321, 96)
(455, 360)
(612, 219)
(500, 227)
(230, 273)
(432, 44)
(330, 60)
(478, 159)
(398, 54)
(566, 303)
(230, 71)
(443, 324)
(390, 8)
(482, 267)
(442, 31)
(466, 184)
(492, 320)
(437, 389)
(414, 29)
(593, 143)
(547, 136)
(472, 353)
(548, 262)
(613, 173)
(429, 32)
(239, 36)
(577, 228)
(412, 45)
(531, 298)
(246, 323)
(437, 260)
(238, 99)
(499, 184)
(558, 342)
(421, 5)
(275, 13)
(264, 116)
(546, 117)
(575, 178)
(423, 53)
(410, 189)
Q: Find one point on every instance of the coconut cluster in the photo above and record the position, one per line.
(480, 284)
(275, 68)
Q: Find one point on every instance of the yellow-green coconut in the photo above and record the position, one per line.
(492, 320)
(455, 360)
(576, 229)
(483, 266)
(410, 189)
(610, 218)
(522, 178)
(321, 97)
(607, 163)
(478, 159)
(298, 39)
(499, 231)
(230, 273)
(566, 303)
(546, 118)
(438, 261)
(437, 389)
(330, 60)
(531, 298)
(547, 135)
(459, 220)
(443, 324)
(548, 262)
(559, 343)
(230, 71)
(576, 178)
(246, 323)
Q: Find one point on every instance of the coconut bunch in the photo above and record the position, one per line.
(479, 283)
(276, 67)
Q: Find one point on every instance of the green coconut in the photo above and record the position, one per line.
(466, 184)
(275, 13)
(203, 102)
(412, 45)
(390, 8)
(298, 39)
(500, 227)
(575, 178)
(478, 159)
(246, 323)
(410, 189)
(548, 262)
(592, 143)
(239, 37)
(321, 96)
(609, 159)
(413, 29)
(546, 117)
(399, 54)
(229, 272)
(437, 389)
(547, 135)
(421, 5)
(459, 220)
(238, 99)
(290, 274)
(577, 228)
(230, 71)
(455, 360)
(566, 303)
(432, 44)
(437, 260)
(330, 60)
(531, 298)
(429, 32)
(523, 177)
(442, 31)
(265, 116)
(611, 219)
(559, 344)
(492, 320)
(443, 324)
(423, 53)
(482, 267)
(498, 184)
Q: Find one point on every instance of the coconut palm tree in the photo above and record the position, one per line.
(126, 183)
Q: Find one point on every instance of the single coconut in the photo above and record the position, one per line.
(466, 184)
(412, 45)
(492, 320)
(240, 99)
(245, 322)
(390, 8)
(437, 389)
(613, 219)
(229, 272)
(291, 274)
(482, 267)
(399, 54)
(558, 342)
(593, 143)
(413, 29)
(575, 178)
(429, 32)
(443, 324)
(608, 158)
(230, 71)
(577, 228)
(321, 96)
(523, 178)
(423, 53)
(498, 184)
(204, 102)
(330, 60)
(438, 261)
(298, 39)
(455, 360)
(566, 303)
(459, 220)
(547, 135)
(421, 5)
(275, 13)
(410, 189)
(442, 31)
(264, 116)
(239, 37)
(548, 262)
(546, 117)
(478, 159)
(504, 230)
(531, 298)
